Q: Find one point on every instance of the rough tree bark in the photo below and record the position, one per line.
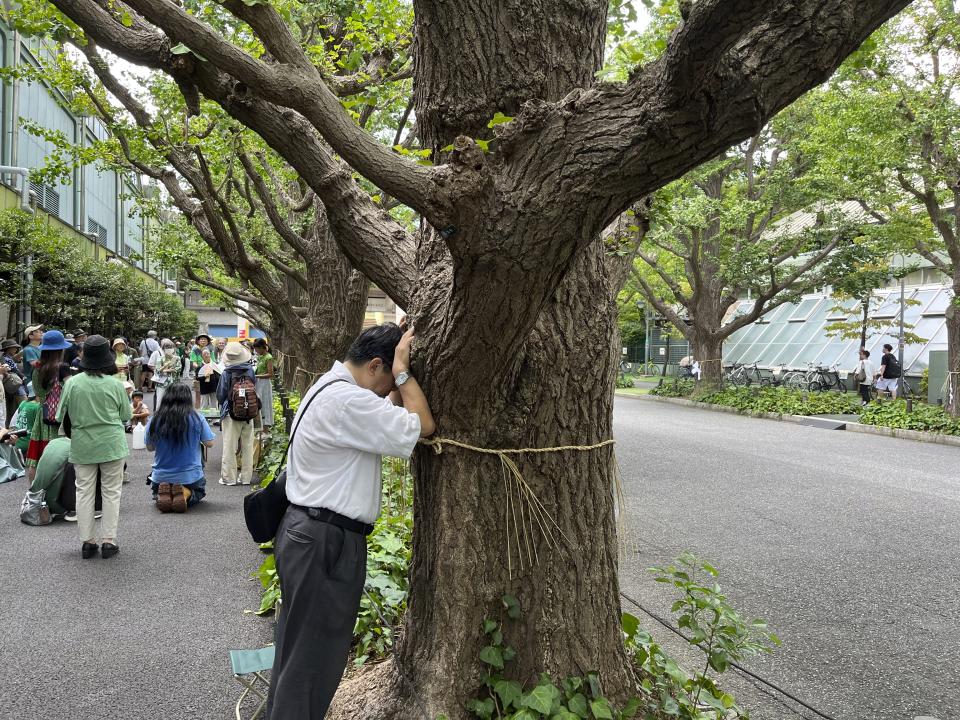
(510, 290)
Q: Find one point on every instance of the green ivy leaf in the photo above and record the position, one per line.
(509, 692)
(492, 656)
(601, 709)
(541, 698)
(180, 49)
(512, 606)
(499, 119)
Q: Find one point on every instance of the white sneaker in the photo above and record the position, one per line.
(70, 516)
(228, 482)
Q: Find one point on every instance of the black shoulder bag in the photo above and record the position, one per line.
(263, 510)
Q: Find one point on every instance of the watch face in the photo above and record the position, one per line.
(402, 378)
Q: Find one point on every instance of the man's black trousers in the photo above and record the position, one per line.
(322, 570)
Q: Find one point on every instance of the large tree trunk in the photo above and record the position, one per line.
(952, 397)
(474, 538)
(707, 348)
(558, 391)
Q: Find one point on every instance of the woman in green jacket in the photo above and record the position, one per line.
(95, 408)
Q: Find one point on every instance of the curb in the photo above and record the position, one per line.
(902, 434)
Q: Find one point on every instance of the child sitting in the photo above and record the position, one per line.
(141, 413)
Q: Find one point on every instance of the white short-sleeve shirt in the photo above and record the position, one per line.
(334, 460)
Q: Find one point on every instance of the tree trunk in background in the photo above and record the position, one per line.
(335, 300)
(707, 348)
(952, 396)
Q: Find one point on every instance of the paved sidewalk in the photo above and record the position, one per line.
(145, 634)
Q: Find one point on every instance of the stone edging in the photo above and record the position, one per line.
(916, 435)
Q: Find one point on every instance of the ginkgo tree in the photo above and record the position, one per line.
(506, 277)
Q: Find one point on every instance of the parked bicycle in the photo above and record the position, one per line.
(821, 379)
(746, 375)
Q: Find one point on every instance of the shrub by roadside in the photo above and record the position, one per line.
(783, 401)
(928, 418)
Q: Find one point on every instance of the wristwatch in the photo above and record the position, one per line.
(401, 378)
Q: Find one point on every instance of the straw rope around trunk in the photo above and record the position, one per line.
(523, 510)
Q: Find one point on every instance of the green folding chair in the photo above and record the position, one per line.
(247, 668)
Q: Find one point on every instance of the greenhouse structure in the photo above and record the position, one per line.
(794, 335)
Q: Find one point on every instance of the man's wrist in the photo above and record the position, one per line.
(399, 369)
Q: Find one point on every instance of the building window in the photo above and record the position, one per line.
(95, 228)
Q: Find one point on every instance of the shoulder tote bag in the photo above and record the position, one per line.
(263, 509)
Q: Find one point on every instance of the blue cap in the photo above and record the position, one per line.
(53, 340)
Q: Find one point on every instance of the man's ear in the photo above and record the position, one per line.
(376, 365)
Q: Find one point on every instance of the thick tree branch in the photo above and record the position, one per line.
(297, 84)
(368, 236)
(660, 306)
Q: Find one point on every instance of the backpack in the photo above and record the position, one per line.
(893, 366)
(242, 402)
(50, 404)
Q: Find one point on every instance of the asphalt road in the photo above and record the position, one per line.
(848, 545)
(145, 634)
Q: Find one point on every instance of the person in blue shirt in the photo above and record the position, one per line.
(175, 434)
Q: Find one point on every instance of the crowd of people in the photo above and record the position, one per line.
(70, 398)
(74, 401)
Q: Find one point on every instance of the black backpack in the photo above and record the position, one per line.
(893, 366)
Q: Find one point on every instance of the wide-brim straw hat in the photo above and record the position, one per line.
(53, 340)
(97, 354)
(235, 354)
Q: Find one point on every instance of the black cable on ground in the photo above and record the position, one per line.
(742, 669)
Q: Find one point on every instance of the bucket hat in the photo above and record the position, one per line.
(97, 354)
(53, 340)
(204, 335)
(235, 354)
(119, 341)
(9, 343)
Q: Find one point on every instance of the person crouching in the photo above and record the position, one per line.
(175, 434)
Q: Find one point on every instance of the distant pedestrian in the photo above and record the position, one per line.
(122, 359)
(888, 378)
(167, 367)
(94, 406)
(76, 341)
(175, 434)
(864, 375)
(237, 384)
(208, 379)
(14, 384)
(147, 348)
(32, 338)
(48, 380)
(264, 372)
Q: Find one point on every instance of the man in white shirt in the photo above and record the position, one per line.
(345, 423)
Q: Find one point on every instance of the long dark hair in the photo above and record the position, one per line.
(48, 370)
(175, 416)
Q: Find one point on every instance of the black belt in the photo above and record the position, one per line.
(335, 518)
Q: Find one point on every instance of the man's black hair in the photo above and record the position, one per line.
(379, 341)
(866, 353)
(888, 347)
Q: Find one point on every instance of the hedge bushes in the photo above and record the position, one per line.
(928, 418)
(783, 401)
